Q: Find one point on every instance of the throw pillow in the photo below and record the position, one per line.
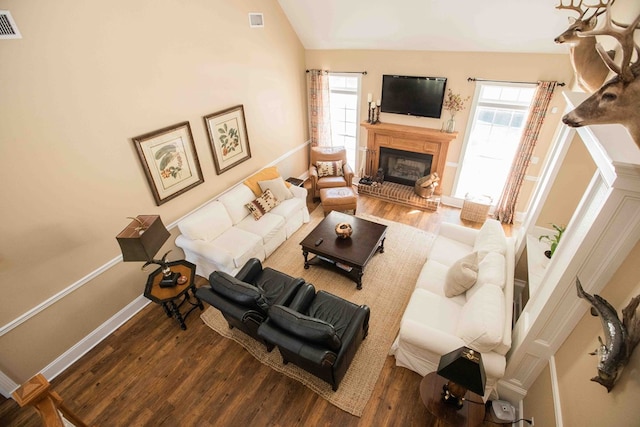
(461, 275)
(262, 204)
(263, 175)
(277, 187)
(491, 238)
(329, 168)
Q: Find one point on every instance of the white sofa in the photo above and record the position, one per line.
(223, 235)
(479, 318)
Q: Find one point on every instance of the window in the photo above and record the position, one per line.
(344, 90)
(497, 120)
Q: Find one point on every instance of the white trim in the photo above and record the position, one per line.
(57, 297)
(70, 356)
(86, 279)
(7, 385)
(555, 391)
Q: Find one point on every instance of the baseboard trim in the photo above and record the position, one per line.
(70, 356)
(7, 385)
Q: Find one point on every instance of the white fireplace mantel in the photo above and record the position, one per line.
(602, 231)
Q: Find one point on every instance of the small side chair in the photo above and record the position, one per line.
(328, 178)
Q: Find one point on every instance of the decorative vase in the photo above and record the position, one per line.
(344, 230)
(451, 124)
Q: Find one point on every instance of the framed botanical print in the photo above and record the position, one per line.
(227, 131)
(170, 161)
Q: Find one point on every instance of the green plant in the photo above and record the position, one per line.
(553, 239)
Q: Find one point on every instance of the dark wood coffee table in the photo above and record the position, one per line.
(346, 256)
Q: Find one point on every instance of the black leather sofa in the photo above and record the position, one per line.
(244, 300)
(319, 332)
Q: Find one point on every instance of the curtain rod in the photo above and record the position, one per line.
(473, 79)
(345, 72)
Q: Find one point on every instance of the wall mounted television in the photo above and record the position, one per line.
(414, 96)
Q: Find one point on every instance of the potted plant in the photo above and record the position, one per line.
(553, 240)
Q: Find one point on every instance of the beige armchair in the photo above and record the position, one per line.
(328, 154)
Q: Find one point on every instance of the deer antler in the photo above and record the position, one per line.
(600, 8)
(624, 38)
(575, 8)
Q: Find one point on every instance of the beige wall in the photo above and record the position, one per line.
(456, 67)
(541, 400)
(567, 189)
(87, 77)
(584, 402)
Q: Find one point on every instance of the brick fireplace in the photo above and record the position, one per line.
(411, 139)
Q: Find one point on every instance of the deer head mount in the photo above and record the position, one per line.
(590, 70)
(618, 100)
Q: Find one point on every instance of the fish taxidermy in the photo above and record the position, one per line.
(621, 337)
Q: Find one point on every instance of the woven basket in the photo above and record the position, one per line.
(476, 209)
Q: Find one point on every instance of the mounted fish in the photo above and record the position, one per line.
(621, 337)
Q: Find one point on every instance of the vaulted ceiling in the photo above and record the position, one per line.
(444, 25)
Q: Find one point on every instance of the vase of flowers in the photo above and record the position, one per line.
(453, 103)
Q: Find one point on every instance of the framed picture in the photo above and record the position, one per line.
(170, 161)
(228, 137)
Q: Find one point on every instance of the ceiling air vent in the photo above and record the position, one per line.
(256, 20)
(8, 27)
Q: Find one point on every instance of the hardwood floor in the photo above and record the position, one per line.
(151, 373)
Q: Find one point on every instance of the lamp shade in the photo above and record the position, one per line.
(142, 238)
(464, 367)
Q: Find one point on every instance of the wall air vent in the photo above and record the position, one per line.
(8, 27)
(256, 20)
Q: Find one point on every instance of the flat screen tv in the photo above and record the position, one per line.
(414, 96)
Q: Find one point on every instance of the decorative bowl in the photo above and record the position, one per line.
(344, 230)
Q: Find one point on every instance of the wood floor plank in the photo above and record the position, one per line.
(151, 373)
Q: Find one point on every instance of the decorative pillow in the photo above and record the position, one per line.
(305, 327)
(491, 238)
(461, 275)
(481, 321)
(263, 175)
(277, 187)
(329, 168)
(237, 290)
(262, 204)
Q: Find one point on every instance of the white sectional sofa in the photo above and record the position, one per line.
(223, 235)
(480, 318)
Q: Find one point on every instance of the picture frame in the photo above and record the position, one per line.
(227, 130)
(170, 161)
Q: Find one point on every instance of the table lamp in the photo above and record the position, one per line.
(464, 370)
(141, 240)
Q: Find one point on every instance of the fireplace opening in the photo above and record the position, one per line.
(404, 167)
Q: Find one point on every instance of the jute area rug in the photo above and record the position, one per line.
(388, 281)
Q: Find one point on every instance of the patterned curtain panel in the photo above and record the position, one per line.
(319, 113)
(506, 208)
